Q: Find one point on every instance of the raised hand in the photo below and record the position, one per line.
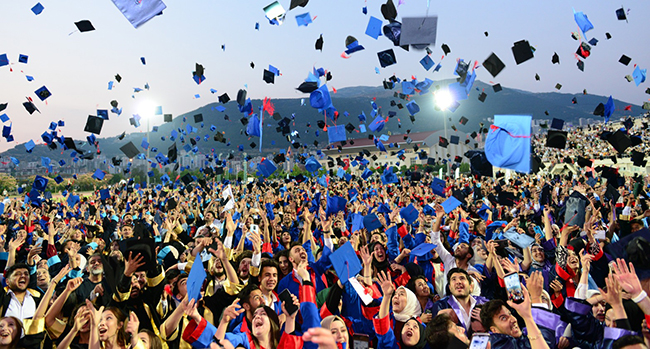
(231, 312)
(81, 319)
(296, 302)
(366, 258)
(133, 325)
(132, 264)
(73, 284)
(387, 287)
(627, 277)
(613, 295)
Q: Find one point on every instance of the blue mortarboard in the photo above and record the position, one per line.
(336, 133)
(303, 19)
(45, 161)
(335, 204)
(583, 22)
(377, 124)
(104, 194)
(409, 214)
(91, 139)
(150, 174)
(639, 75)
(422, 249)
(388, 176)
(371, 222)
(266, 167)
(508, 143)
(345, 262)
(408, 88)
(37, 9)
(187, 148)
(52, 126)
(195, 280)
(609, 108)
(366, 173)
(20, 190)
(357, 222)
(340, 172)
(353, 47)
(99, 174)
(362, 128)
(58, 179)
(144, 144)
(427, 62)
(4, 117)
(312, 165)
(102, 113)
(450, 204)
(40, 183)
(320, 98)
(380, 145)
(253, 127)
(482, 212)
(61, 123)
(29, 146)
(557, 124)
(373, 29)
(43, 93)
(15, 161)
(6, 131)
(412, 107)
(383, 208)
(427, 210)
(384, 137)
(34, 197)
(213, 128)
(4, 60)
(362, 116)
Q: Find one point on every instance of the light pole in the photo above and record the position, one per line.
(148, 147)
(443, 100)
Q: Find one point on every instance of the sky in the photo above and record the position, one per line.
(77, 67)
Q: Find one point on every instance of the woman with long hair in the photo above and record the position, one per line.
(109, 327)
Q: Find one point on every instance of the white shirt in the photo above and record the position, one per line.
(22, 311)
(463, 316)
(449, 262)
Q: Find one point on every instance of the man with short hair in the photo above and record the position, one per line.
(94, 286)
(268, 281)
(504, 328)
(21, 296)
(630, 342)
(250, 298)
(461, 302)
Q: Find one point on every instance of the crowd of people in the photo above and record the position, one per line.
(525, 261)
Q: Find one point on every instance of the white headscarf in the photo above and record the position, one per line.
(412, 308)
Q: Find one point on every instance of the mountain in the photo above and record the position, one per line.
(352, 100)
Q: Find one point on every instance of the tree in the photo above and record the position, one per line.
(7, 182)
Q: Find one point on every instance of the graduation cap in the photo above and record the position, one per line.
(84, 26)
(224, 98)
(556, 139)
(145, 247)
(620, 14)
(30, 107)
(620, 141)
(555, 59)
(497, 88)
(557, 124)
(172, 153)
(493, 65)
(269, 77)
(584, 162)
(445, 48)
(198, 118)
(443, 142)
(575, 209)
(43, 93)
(522, 51)
(94, 124)
(454, 139)
(482, 96)
(319, 43)
(386, 58)
(625, 60)
(130, 150)
(638, 158)
(463, 120)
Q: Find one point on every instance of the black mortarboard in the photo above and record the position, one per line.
(296, 3)
(349, 127)
(556, 139)
(506, 198)
(224, 98)
(522, 51)
(244, 121)
(625, 60)
(584, 50)
(575, 209)
(118, 77)
(493, 65)
(320, 123)
(142, 246)
(241, 97)
(445, 49)
(269, 77)
(620, 141)
(308, 87)
(600, 110)
(121, 136)
(558, 86)
(94, 124)
(172, 153)
(187, 179)
(454, 139)
(69, 143)
(637, 158)
(198, 118)
(620, 14)
(253, 144)
(443, 142)
(386, 58)
(497, 88)
(608, 36)
(473, 134)
(319, 43)
(278, 158)
(463, 120)
(218, 137)
(581, 66)
(130, 150)
(537, 77)
(482, 96)
(555, 59)
(612, 194)
(584, 162)
(30, 107)
(389, 11)
(168, 117)
(84, 26)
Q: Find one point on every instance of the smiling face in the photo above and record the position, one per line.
(18, 280)
(95, 265)
(505, 323)
(108, 326)
(284, 265)
(261, 323)
(380, 254)
(538, 254)
(9, 331)
(42, 278)
(399, 300)
(269, 278)
(411, 333)
(244, 268)
(573, 261)
(421, 288)
(339, 331)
